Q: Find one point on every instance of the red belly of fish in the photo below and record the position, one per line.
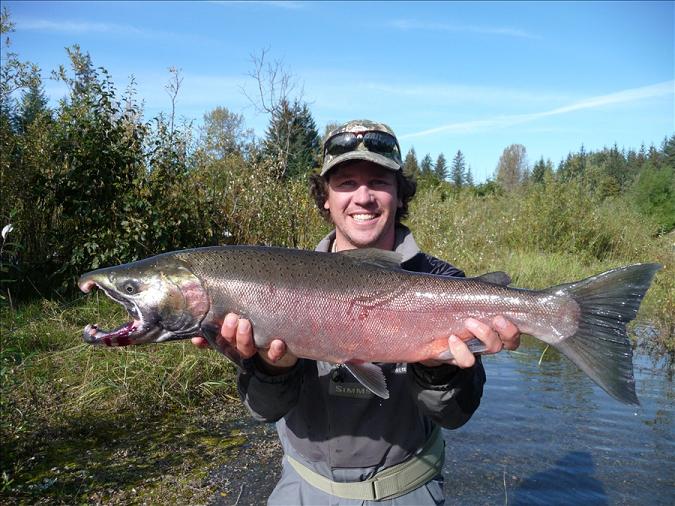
(339, 330)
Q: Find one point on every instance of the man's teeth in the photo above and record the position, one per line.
(364, 217)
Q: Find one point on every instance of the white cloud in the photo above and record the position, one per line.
(83, 27)
(620, 97)
(411, 24)
(45, 25)
(339, 92)
(462, 93)
(279, 4)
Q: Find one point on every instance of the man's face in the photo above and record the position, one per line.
(362, 201)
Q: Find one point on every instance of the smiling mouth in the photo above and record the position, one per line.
(362, 217)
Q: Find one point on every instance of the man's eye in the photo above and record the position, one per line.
(380, 182)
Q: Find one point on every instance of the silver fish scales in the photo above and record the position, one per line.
(359, 307)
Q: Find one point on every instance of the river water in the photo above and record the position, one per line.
(546, 434)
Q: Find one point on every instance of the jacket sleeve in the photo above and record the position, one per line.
(447, 394)
(269, 398)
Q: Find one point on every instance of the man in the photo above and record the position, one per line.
(342, 444)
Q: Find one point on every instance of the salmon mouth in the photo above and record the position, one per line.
(134, 331)
(120, 336)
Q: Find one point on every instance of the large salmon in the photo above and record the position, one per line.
(359, 307)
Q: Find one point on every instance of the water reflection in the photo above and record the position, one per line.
(546, 434)
(569, 481)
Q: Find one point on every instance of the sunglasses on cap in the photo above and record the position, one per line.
(378, 142)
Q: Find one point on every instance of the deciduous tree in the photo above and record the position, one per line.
(512, 166)
(223, 133)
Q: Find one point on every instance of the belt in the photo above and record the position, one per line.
(389, 483)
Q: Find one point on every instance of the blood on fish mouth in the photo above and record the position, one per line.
(120, 335)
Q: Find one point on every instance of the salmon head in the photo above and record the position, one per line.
(165, 300)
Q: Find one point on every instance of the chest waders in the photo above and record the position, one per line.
(389, 483)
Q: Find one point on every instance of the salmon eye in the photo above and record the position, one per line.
(130, 288)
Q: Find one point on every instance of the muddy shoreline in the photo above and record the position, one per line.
(251, 475)
(213, 454)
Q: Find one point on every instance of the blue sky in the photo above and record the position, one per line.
(447, 76)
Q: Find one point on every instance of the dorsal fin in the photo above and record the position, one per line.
(496, 278)
(374, 256)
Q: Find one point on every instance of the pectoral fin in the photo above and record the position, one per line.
(474, 344)
(210, 331)
(370, 376)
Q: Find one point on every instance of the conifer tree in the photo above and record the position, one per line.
(458, 170)
(441, 168)
(538, 171)
(33, 105)
(292, 141)
(469, 177)
(669, 151)
(426, 166)
(616, 167)
(410, 166)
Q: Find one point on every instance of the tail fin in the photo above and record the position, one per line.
(601, 347)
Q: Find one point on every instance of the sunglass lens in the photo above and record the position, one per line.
(379, 142)
(341, 143)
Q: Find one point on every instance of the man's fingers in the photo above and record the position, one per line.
(200, 342)
(276, 351)
(508, 332)
(244, 338)
(486, 334)
(461, 354)
(237, 332)
(229, 329)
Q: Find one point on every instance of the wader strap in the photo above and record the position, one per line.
(389, 483)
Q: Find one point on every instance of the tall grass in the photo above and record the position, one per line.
(50, 376)
(541, 235)
(72, 415)
(544, 235)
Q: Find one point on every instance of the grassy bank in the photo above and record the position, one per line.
(81, 424)
(545, 235)
(145, 424)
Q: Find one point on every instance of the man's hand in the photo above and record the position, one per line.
(237, 332)
(500, 334)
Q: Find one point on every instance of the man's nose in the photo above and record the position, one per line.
(363, 195)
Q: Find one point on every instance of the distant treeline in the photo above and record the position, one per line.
(90, 182)
(644, 177)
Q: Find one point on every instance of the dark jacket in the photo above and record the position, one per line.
(333, 425)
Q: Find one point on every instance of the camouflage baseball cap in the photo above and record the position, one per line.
(362, 140)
